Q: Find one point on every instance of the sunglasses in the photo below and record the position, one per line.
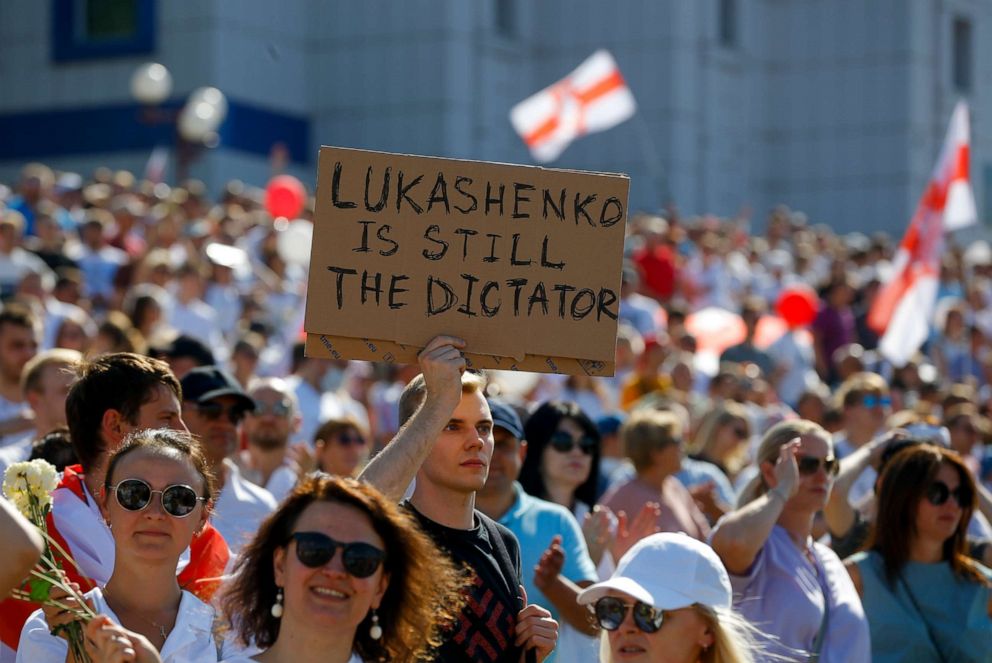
(346, 440)
(938, 493)
(741, 433)
(563, 442)
(214, 411)
(809, 465)
(280, 409)
(872, 401)
(314, 550)
(135, 494)
(611, 611)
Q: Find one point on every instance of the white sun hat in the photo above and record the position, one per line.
(668, 571)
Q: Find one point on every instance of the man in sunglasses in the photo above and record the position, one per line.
(865, 404)
(268, 428)
(214, 407)
(446, 440)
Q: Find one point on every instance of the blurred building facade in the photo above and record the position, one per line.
(835, 107)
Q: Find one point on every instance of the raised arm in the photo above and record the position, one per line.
(839, 512)
(22, 546)
(392, 470)
(740, 535)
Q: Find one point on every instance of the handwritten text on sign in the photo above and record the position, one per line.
(515, 259)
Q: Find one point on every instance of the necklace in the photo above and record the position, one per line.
(151, 622)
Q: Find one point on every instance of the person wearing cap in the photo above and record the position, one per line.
(183, 354)
(669, 600)
(214, 406)
(553, 553)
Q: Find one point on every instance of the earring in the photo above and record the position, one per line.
(375, 631)
(277, 606)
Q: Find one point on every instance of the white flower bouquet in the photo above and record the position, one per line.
(29, 487)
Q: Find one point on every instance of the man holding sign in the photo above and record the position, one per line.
(446, 440)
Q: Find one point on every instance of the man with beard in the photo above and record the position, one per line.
(214, 406)
(268, 428)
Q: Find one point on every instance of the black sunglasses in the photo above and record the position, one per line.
(938, 492)
(214, 411)
(563, 442)
(346, 440)
(135, 494)
(809, 465)
(611, 611)
(314, 550)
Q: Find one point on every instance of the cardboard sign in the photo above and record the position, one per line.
(522, 262)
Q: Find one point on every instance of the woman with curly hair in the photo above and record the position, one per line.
(926, 600)
(386, 596)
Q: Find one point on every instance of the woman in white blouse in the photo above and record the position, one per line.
(157, 495)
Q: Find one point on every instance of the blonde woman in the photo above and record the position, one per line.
(787, 585)
(716, 454)
(669, 601)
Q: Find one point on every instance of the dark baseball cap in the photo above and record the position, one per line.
(205, 383)
(186, 346)
(506, 418)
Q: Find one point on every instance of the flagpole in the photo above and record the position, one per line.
(652, 158)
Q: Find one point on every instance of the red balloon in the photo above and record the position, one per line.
(285, 196)
(798, 306)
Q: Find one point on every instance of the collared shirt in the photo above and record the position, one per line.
(240, 508)
(191, 639)
(535, 522)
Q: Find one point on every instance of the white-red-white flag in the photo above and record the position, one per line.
(903, 310)
(592, 98)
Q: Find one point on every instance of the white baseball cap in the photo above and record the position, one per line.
(668, 571)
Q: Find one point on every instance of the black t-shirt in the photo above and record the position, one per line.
(485, 629)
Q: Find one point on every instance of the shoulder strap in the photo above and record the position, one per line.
(926, 624)
(503, 555)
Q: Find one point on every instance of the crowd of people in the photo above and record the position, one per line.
(785, 494)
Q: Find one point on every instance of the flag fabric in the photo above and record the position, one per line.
(903, 310)
(592, 98)
(157, 161)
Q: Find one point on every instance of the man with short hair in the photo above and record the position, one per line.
(20, 333)
(553, 551)
(446, 439)
(214, 405)
(112, 396)
(268, 428)
(45, 385)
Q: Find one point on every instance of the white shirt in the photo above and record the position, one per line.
(240, 508)
(19, 449)
(246, 659)
(191, 639)
(198, 320)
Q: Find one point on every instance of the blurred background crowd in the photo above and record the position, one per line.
(725, 331)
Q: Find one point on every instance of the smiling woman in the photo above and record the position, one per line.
(339, 573)
(158, 493)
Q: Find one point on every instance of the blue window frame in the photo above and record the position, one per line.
(89, 29)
